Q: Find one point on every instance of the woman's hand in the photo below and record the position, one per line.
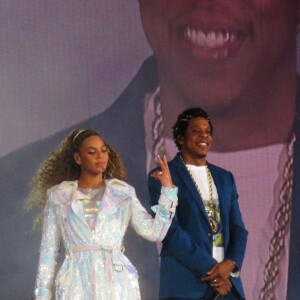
(163, 175)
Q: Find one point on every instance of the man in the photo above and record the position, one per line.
(207, 239)
(235, 57)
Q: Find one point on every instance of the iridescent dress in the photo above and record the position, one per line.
(95, 266)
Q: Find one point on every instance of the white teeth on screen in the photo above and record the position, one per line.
(211, 39)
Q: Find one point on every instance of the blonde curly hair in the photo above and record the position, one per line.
(60, 166)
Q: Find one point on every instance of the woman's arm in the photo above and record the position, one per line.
(48, 251)
(156, 229)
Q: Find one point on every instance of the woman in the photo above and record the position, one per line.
(89, 208)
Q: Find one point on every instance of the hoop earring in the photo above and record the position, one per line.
(111, 173)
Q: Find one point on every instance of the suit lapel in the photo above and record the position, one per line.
(109, 199)
(189, 184)
(76, 205)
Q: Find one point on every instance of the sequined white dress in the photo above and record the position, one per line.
(95, 267)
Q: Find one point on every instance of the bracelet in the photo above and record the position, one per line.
(235, 272)
(235, 265)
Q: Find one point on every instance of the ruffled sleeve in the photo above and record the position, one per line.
(155, 229)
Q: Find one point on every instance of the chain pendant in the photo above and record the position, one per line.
(210, 208)
(212, 217)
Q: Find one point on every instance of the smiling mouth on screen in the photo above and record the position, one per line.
(211, 44)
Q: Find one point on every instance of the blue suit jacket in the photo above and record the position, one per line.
(186, 255)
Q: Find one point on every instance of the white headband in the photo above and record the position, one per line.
(77, 134)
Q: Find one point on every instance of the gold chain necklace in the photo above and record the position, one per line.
(210, 207)
(281, 226)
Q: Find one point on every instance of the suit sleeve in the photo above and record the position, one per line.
(237, 232)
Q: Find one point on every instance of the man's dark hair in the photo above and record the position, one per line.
(182, 121)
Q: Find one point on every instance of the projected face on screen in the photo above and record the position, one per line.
(234, 45)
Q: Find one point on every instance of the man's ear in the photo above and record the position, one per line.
(77, 158)
(180, 140)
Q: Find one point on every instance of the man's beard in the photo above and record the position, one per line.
(200, 156)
